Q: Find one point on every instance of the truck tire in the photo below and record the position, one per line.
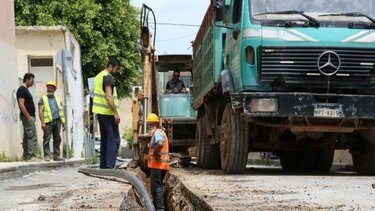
(198, 144)
(363, 155)
(324, 159)
(234, 142)
(207, 154)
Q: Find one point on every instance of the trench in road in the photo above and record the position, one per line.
(195, 189)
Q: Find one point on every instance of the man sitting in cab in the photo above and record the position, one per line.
(175, 85)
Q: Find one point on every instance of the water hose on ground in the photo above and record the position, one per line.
(123, 174)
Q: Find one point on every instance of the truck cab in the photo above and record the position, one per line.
(295, 77)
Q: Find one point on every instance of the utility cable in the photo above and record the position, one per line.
(177, 38)
(178, 24)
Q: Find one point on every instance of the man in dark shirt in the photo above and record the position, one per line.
(108, 81)
(27, 116)
(175, 85)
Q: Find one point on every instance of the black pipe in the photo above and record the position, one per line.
(94, 170)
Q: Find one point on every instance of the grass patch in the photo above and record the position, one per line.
(71, 150)
(38, 151)
(4, 158)
(119, 151)
(128, 136)
(93, 160)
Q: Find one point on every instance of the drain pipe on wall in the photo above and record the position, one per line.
(131, 178)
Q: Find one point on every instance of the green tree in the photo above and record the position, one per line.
(102, 27)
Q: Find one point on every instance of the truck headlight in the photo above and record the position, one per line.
(263, 105)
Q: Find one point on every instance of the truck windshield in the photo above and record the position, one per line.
(275, 10)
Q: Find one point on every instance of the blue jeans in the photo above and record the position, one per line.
(109, 141)
(157, 190)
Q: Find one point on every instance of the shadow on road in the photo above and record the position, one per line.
(276, 170)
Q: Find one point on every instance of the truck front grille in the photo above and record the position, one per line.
(299, 66)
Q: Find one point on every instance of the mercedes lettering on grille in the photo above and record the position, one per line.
(329, 63)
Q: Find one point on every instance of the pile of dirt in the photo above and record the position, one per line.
(129, 203)
(178, 197)
(132, 201)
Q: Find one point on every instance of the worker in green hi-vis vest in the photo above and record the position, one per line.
(52, 118)
(106, 107)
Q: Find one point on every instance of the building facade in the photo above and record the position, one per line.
(10, 141)
(38, 48)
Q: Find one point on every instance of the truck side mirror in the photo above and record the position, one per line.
(219, 10)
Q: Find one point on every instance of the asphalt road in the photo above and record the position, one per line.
(271, 188)
(258, 188)
(62, 189)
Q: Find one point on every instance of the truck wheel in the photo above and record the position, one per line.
(207, 154)
(363, 155)
(323, 161)
(198, 145)
(234, 134)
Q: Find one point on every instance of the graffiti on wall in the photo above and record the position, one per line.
(14, 105)
(10, 111)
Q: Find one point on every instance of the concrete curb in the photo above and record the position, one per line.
(19, 169)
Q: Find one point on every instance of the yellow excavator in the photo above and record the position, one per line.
(178, 118)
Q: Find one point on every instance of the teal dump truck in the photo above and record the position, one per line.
(294, 77)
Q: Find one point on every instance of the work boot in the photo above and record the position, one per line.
(58, 158)
(46, 158)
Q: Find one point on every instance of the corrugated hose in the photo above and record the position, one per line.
(123, 174)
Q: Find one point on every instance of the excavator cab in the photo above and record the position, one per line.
(175, 109)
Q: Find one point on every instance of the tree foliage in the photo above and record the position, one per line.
(103, 28)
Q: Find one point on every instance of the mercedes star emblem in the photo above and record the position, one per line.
(329, 63)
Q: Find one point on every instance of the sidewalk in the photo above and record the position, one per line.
(10, 170)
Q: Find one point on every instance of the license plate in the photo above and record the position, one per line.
(327, 112)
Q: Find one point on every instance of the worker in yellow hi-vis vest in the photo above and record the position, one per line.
(106, 106)
(52, 118)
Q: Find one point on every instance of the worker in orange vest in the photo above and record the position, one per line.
(158, 159)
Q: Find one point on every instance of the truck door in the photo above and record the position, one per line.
(233, 42)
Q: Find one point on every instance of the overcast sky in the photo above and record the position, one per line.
(175, 39)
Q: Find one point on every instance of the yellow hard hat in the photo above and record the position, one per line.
(151, 117)
(51, 83)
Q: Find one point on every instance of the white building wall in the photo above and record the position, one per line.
(10, 140)
(74, 97)
(125, 115)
